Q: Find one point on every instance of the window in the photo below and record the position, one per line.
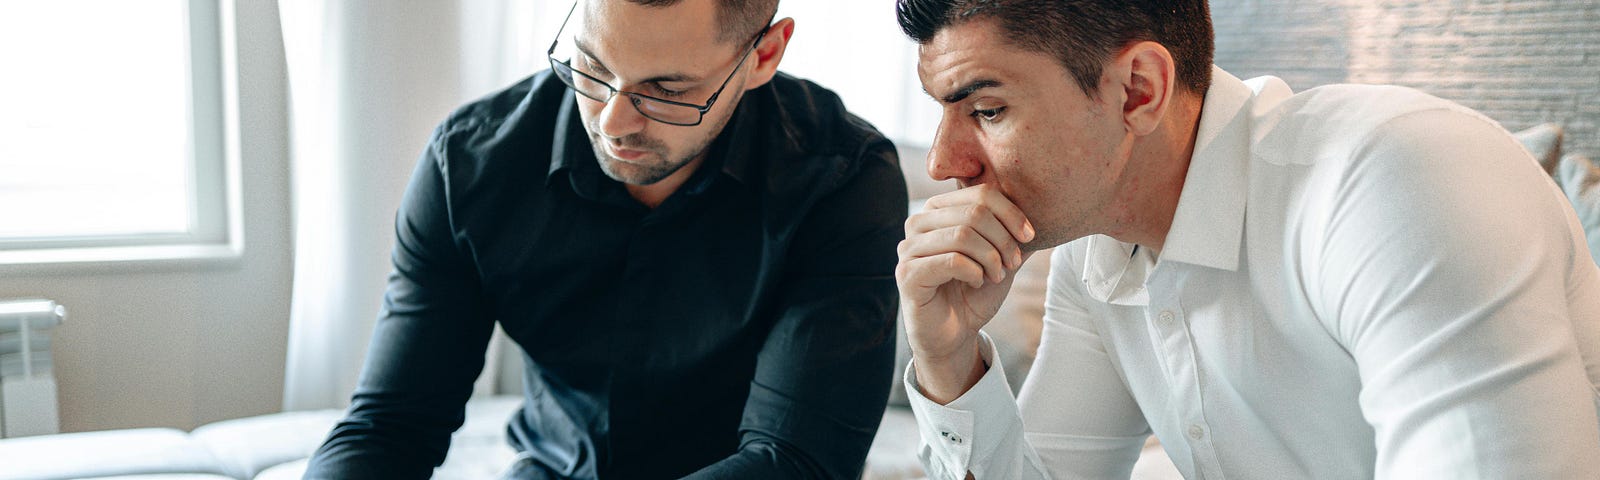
(112, 132)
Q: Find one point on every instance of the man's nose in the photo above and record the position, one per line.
(953, 156)
(619, 118)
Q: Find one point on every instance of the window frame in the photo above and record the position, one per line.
(215, 211)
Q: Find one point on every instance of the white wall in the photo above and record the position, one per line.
(1521, 62)
(180, 346)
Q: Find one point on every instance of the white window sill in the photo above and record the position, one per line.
(102, 259)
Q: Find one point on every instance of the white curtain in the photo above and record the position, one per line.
(369, 79)
(856, 48)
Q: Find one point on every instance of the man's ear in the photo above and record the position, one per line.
(1148, 78)
(769, 52)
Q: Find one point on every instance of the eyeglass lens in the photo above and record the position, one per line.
(602, 92)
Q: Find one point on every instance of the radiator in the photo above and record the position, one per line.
(27, 384)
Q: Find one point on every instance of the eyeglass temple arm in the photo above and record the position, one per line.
(753, 44)
(554, 41)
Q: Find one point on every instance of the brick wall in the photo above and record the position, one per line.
(1522, 62)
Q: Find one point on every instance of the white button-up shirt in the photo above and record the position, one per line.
(1359, 282)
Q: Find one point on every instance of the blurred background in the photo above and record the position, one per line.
(208, 186)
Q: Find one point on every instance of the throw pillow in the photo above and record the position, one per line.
(1544, 142)
(1580, 180)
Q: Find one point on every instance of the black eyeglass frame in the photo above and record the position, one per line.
(637, 98)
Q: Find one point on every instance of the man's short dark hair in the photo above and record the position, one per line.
(1081, 34)
(737, 20)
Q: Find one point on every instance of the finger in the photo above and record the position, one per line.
(960, 239)
(923, 275)
(991, 197)
(976, 216)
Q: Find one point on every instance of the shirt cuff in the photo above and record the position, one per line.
(961, 437)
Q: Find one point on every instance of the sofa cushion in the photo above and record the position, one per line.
(1579, 178)
(487, 417)
(277, 446)
(468, 459)
(1544, 142)
(246, 446)
(102, 454)
(165, 477)
(294, 470)
(476, 459)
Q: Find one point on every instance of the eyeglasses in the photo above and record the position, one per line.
(660, 110)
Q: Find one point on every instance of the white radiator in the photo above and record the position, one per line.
(27, 384)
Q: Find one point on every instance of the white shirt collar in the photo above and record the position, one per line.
(1208, 226)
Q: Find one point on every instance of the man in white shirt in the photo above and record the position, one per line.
(1348, 282)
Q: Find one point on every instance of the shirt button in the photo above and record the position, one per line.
(1195, 432)
(1165, 317)
(953, 438)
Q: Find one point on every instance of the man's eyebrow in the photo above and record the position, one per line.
(967, 90)
(671, 77)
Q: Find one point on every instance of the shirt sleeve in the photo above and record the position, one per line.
(426, 349)
(1445, 269)
(1075, 418)
(822, 376)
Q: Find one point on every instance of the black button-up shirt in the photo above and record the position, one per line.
(741, 329)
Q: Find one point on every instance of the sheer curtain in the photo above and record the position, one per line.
(855, 48)
(368, 81)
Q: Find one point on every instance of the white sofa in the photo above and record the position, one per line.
(264, 447)
(276, 447)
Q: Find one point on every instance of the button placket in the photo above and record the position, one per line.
(1175, 348)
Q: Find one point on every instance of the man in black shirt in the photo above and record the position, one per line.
(698, 267)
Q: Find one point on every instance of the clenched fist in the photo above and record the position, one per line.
(956, 266)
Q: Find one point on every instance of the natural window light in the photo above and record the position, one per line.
(110, 124)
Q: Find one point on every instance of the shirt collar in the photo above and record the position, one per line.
(1114, 271)
(1208, 226)
(570, 145)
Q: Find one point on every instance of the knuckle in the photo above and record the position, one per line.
(952, 261)
(960, 235)
(973, 213)
(981, 210)
(911, 224)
